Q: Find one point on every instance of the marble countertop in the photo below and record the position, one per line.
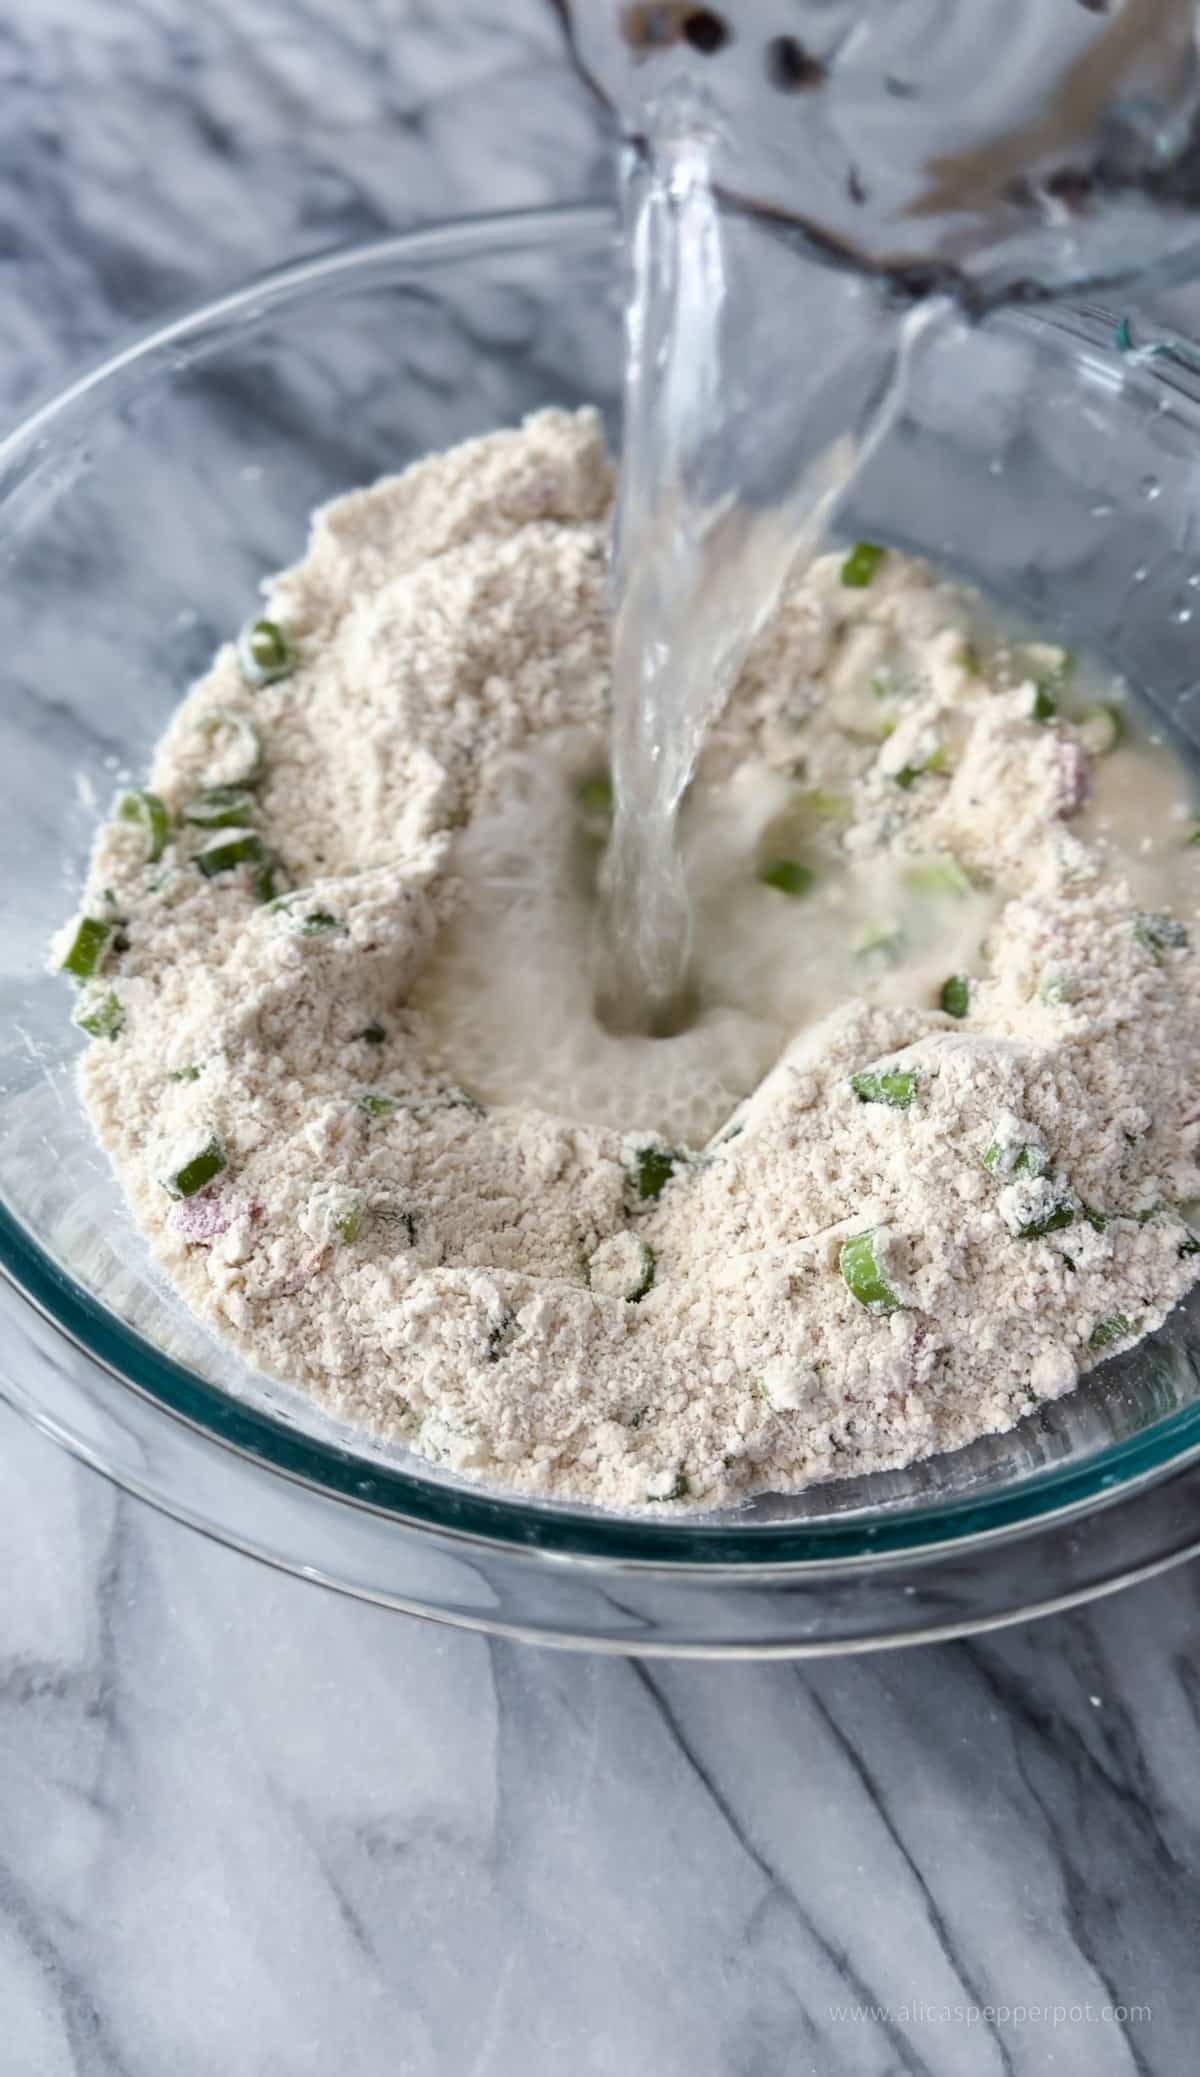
(250, 1829)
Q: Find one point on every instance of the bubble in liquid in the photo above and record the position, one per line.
(1102, 511)
(1140, 574)
(1150, 488)
(1193, 582)
(1181, 613)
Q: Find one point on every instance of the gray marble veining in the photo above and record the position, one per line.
(249, 1828)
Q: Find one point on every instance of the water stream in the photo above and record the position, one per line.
(755, 386)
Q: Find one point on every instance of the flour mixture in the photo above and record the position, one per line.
(920, 1157)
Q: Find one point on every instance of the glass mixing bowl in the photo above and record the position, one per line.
(137, 513)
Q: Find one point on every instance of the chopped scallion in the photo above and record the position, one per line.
(220, 807)
(102, 1019)
(1159, 934)
(87, 948)
(246, 848)
(787, 876)
(1115, 1328)
(197, 1171)
(863, 1277)
(264, 652)
(655, 1166)
(150, 815)
(895, 1087)
(861, 564)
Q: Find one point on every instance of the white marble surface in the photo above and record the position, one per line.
(248, 1829)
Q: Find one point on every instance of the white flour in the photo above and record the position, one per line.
(428, 1214)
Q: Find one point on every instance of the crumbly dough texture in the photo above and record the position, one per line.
(420, 1264)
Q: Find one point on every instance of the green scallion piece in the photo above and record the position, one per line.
(268, 881)
(87, 948)
(150, 814)
(1056, 990)
(862, 1275)
(103, 1019)
(787, 875)
(1115, 1328)
(319, 923)
(198, 1171)
(655, 1166)
(955, 997)
(373, 1103)
(1159, 934)
(185, 1074)
(246, 848)
(347, 1223)
(595, 796)
(264, 652)
(861, 564)
(1053, 1221)
(1045, 701)
(895, 1087)
(646, 1279)
(1028, 1161)
(220, 807)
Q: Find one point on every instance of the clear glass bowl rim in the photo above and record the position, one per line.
(687, 1546)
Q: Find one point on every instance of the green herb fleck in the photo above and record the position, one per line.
(1115, 1328)
(1060, 1215)
(1045, 701)
(595, 796)
(268, 880)
(646, 1279)
(150, 815)
(185, 1074)
(1159, 934)
(244, 849)
(87, 948)
(103, 1019)
(655, 1166)
(1005, 1160)
(861, 564)
(220, 807)
(863, 1277)
(373, 1103)
(264, 652)
(787, 875)
(347, 1223)
(200, 1170)
(895, 1087)
(955, 997)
